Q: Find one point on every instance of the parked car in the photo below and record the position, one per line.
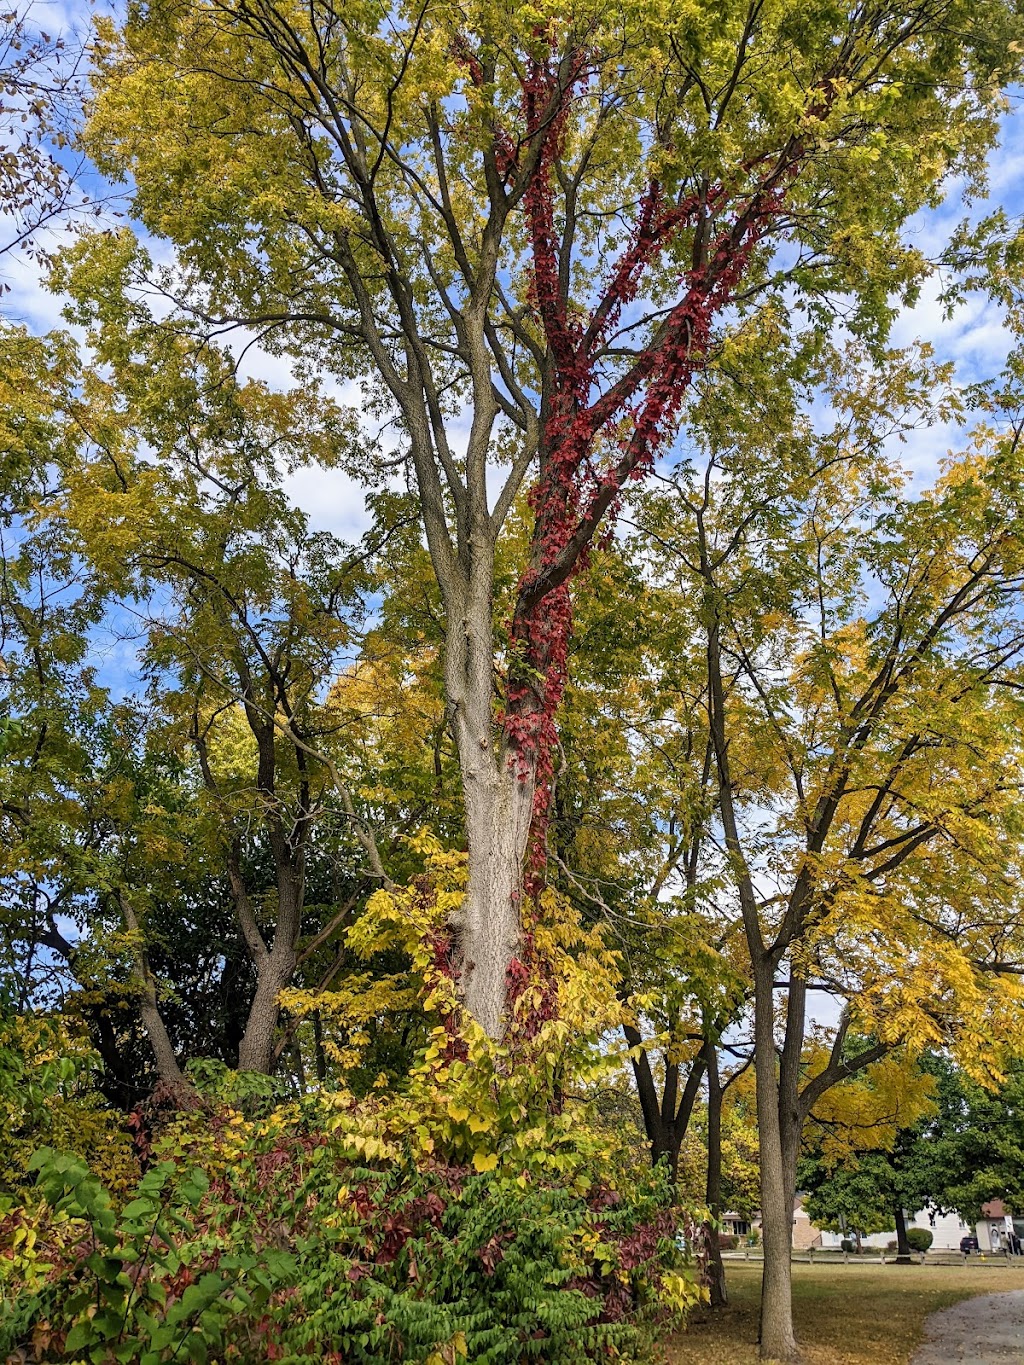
(968, 1244)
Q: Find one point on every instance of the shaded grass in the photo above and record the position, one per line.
(844, 1315)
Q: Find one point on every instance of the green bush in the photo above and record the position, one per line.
(920, 1239)
(291, 1252)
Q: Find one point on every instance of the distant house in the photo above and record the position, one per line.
(998, 1226)
(947, 1230)
(738, 1225)
(993, 1230)
(805, 1234)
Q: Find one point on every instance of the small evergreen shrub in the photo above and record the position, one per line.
(920, 1239)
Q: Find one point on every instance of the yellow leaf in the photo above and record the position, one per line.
(485, 1161)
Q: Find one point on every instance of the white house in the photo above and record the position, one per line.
(993, 1231)
(947, 1229)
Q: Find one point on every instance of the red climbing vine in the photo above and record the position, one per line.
(572, 496)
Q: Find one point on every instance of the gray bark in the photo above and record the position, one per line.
(149, 1008)
(498, 796)
(716, 1267)
(778, 1181)
(275, 966)
(498, 816)
(256, 1050)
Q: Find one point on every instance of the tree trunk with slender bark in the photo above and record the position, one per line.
(778, 1181)
(119, 1080)
(716, 1267)
(784, 1098)
(903, 1247)
(778, 1120)
(166, 1059)
(320, 1056)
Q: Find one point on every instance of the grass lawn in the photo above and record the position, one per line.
(844, 1315)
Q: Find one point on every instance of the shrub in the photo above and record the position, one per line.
(291, 1251)
(727, 1241)
(473, 1213)
(47, 1070)
(846, 1245)
(920, 1239)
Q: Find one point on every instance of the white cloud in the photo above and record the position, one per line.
(332, 501)
(27, 300)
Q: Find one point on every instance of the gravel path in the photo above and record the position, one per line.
(985, 1331)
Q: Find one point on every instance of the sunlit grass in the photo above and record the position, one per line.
(844, 1315)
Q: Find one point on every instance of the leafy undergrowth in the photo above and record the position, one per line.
(844, 1315)
(281, 1246)
(481, 1211)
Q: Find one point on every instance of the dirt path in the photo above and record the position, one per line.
(985, 1331)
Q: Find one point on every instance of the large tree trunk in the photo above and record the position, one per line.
(716, 1267)
(498, 812)
(778, 1341)
(256, 1050)
(275, 966)
(498, 792)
